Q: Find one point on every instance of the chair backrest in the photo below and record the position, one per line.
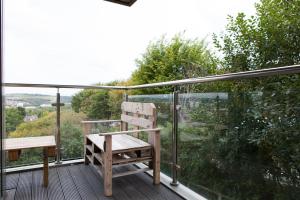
(140, 115)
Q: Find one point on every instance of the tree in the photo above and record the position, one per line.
(178, 58)
(13, 117)
(94, 103)
(259, 153)
(270, 38)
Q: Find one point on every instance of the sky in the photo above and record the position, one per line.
(85, 42)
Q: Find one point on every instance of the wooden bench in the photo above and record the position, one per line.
(14, 146)
(107, 150)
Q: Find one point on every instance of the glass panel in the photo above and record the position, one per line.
(28, 113)
(241, 139)
(87, 105)
(70, 128)
(163, 104)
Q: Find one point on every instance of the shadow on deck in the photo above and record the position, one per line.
(82, 182)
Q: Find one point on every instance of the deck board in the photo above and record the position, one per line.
(82, 184)
(24, 186)
(55, 191)
(67, 184)
(12, 181)
(96, 183)
(145, 189)
(79, 182)
(118, 193)
(39, 192)
(9, 194)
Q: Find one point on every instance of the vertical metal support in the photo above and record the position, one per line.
(58, 137)
(174, 138)
(2, 182)
(218, 108)
(219, 197)
(125, 97)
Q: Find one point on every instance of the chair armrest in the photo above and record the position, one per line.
(100, 121)
(154, 130)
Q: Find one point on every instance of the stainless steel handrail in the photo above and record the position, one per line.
(63, 86)
(230, 76)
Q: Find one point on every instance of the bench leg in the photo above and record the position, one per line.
(45, 167)
(107, 168)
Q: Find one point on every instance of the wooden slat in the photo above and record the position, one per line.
(90, 157)
(99, 158)
(99, 121)
(141, 122)
(130, 172)
(139, 108)
(118, 142)
(29, 142)
(148, 130)
(39, 192)
(107, 166)
(131, 160)
(67, 184)
(89, 147)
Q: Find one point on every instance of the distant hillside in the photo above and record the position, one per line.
(24, 99)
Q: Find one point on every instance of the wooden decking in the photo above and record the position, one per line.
(80, 181)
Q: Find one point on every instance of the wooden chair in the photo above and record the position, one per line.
(107, 150)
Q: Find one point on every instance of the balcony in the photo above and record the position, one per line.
(80, 181)
(227, 143)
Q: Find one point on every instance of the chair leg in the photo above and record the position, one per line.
(156, 159)
(107, 168)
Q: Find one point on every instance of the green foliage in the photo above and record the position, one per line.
(13, 117)
(270, 38)
(45, 125)
(72, 140)
(94, 103)
(114, 103)
(178, 58)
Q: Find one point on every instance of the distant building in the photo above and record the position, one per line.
(30, 107)
(45, 105)
(20, 104)
(30, 118)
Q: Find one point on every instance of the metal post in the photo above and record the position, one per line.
(125, 97)
(2, 136)
(58, 137)
(174, 138)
